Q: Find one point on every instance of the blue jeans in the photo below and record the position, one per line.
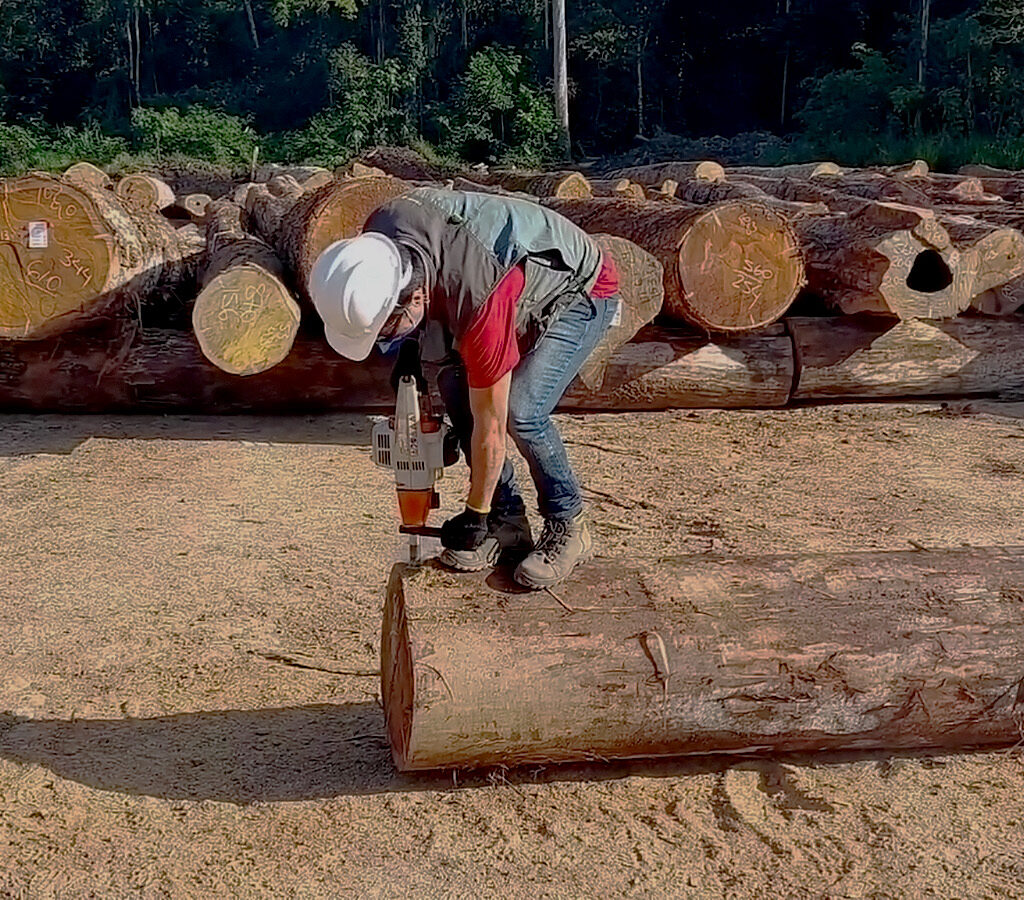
(538, 383)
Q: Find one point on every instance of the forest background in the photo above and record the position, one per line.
(119, 82)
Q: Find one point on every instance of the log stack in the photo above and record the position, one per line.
(909, 282)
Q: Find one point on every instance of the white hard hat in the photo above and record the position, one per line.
(354, 285)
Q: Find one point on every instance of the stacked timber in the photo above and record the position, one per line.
(699, 655)
(921, 274)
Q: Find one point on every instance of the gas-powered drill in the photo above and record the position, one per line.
(415, 444)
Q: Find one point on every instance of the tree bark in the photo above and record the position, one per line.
(165, 371)
(653, 175)
(662, 369)
(617, 187)
(886, 258)
(867, 357)
(300, 229)
(561, 72)
(560, 185)
(71, 253)
(731, 267)
(699, 655)
(245, 318)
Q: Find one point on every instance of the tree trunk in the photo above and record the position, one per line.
(857, 357)
(661, 369)
(823, 170)
(653, 175)
(563, 185)
(886, 258)
(699, 655)
(618, 187)
(300, 229)
(561, 71)
(71, 253)
(731, 267)
(164, 371)
(245, 319)
(998, 252)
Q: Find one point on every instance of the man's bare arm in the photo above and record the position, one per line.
(490, 425)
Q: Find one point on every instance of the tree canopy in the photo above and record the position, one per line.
(855, 80)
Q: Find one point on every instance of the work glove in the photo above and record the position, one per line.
(466, 531)
(407, 362)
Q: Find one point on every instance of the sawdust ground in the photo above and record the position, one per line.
(154, 572)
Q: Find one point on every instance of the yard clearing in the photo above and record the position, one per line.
(189, 631)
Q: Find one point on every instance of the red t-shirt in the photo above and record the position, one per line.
(490, 349)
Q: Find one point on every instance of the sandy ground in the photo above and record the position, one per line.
(154, 572)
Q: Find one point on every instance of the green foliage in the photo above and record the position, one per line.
(499, 114)
(369, 107)
(199, 131)
(856, 100)
(38, 146)
(284, 11)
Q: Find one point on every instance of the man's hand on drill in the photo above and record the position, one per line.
(466, 531)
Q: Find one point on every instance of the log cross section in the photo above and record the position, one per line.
(701, 655)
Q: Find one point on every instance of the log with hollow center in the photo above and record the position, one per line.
(886, 258)
(245, 318)
(70, 253)
(699, 655)
(735, 266)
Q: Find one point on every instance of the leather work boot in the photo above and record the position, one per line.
(508, 536)
(563, 543)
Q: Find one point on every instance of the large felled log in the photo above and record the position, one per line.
(662, 369)
(862, 357)
(161, 371)
(245, 318)
(301, 228)
(886, 258)
(70, 253)
(164, 371)
(998, 252)
(699, 655)
(823, 170)
(617, 187)
(563, 185)
(654, 175)
(731, 267)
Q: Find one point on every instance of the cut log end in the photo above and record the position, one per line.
(56, 255)
(245, 320)
(145, 193)
(397, 670)
(740, 267)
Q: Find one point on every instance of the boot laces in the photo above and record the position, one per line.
(553, 539)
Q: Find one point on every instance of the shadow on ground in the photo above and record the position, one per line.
(302, 753)
(23, 435)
